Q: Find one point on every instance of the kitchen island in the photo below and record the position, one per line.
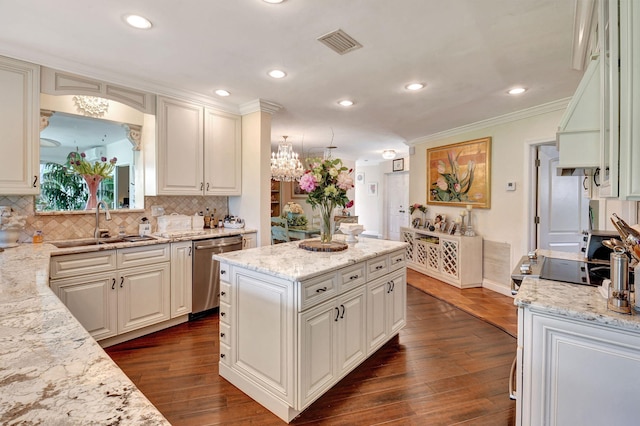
(294, 322)
(577, 362)
(52, 371)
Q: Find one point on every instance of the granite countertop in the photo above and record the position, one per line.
(157, 239)
(290, 262)
(51, 370)
(574, 301)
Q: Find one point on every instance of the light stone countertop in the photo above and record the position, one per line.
(51, 370)
(573, 301)
(290, 262)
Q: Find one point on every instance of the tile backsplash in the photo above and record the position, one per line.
(69, 225)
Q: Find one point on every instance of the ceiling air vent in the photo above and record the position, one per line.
(339, 41)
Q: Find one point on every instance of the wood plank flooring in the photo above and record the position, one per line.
(446, 367)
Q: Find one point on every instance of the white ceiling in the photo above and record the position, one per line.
(469, 52)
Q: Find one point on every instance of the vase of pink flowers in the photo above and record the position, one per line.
(93, 173)
(326, 182)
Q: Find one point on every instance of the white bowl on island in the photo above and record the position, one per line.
(351, 230)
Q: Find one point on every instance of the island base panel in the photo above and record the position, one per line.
(258, 394)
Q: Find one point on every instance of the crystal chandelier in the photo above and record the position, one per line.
(285, 165)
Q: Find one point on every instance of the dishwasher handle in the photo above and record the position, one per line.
(213, 244)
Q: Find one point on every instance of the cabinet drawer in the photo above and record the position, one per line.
(352, 276)
(70, 265)
(377, 267)
(225, 292)
(225, 272)
(225, 354)
(225, 334)
(317, 289)
(225, 313)
(145, 255)
(396, 261)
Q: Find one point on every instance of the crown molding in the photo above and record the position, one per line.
(117, 78)
(259, 105)
(560, 104)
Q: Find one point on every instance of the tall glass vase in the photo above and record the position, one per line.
(326, 213)
(93, 182)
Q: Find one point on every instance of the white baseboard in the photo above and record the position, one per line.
(497, 287)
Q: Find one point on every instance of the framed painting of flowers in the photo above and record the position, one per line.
(460, 174)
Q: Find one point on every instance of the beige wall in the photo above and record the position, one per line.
(506, 221)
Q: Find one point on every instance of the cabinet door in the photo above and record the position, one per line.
(143, 296)
(19, 134)
(93, 300)
(249, 241)
(397, 302)
(180, 148)
(351, 344)
(181, 275)
(449, 258)
(317, 350)
(376, 313)
(579, 373)
(222, 153)
(629, 100)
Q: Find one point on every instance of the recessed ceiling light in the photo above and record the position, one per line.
(222, 92)
(345, 103)
(277, 73)
(414, 86)
(273, 1)
(137, 21)
(517, 91)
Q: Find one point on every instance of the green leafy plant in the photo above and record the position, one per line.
(61, 190)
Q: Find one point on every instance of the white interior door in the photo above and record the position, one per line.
(397, 205)
(563, 212)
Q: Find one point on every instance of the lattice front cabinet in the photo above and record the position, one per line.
(454, 259)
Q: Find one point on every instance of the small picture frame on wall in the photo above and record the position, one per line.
(398, 165)
(372, 188)
(360, 177)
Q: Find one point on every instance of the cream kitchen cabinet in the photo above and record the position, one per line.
(285, 341)
(629, 100)
(249, 241)
(19, 132)
(576, 371)
(113, 292)
(181, 275)
(332, 342)
(386, 309)
(199, 150)
(454, 259)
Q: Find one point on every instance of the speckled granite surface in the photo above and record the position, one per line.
(572, 301)
(51, 371)
(290, 262)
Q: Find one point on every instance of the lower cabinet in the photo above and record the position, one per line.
(249, 241)
(117, 299)
(285, 343)
(386, 314)
(181, 276)
(575, 372)
(332, 341)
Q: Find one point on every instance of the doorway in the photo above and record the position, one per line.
(397, 204)
(561, 209)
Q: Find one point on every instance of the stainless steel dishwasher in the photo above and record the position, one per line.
(206, 273)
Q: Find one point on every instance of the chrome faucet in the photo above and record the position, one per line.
(107, 216)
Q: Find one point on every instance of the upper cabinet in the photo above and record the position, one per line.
(19, 133)
(629, 100)
(199, 150)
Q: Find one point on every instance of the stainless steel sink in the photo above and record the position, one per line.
(92, 241)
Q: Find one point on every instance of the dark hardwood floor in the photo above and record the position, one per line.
(446, 367)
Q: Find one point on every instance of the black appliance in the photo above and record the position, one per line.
(594, 249)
